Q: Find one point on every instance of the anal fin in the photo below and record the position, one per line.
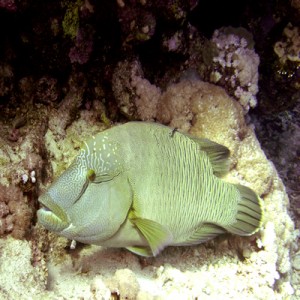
(204, 233)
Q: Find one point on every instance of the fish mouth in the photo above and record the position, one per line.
(51, 215)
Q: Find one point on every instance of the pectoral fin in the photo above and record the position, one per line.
(156, 235)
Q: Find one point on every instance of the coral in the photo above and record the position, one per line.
(18, 278)
(23, 155)
(266, 257)
(235, 65)
(83, 36)
(122, 88)
(146, 100)
(81, 51)
(95, 112)
(6, 79)
(175, 11)
(181, 105)
(60, 79)
(174, 108)
(10, 5)
(138, 19)
(289, 47)
(124, 284)
(188, 106)
(137, 98)
(23, 168)
(27, 87)
(15, 212)
(228, 59)
(69, 106)
(47, 90)
(175, 42)
(279, 73)
(62, 151)
(99, 289)
(70, 22)
(137, 23)
(295, 4)
(275, 132)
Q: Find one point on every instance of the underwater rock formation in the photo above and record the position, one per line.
(257, 267)
(69, 69)
(235, 65)
(280, 73)
(136, 97)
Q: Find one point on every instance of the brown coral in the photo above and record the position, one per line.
(15, 212)
(136, 97)
(67, 112)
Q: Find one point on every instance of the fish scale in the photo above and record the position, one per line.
(185, 187)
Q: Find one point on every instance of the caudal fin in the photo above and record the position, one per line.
(249, 215)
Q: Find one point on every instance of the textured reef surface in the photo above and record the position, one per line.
(69, 69)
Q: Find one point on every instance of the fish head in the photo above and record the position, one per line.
(57, 201)
(90, 200)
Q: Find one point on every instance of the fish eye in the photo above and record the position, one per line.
(91, 175)
(93, 178)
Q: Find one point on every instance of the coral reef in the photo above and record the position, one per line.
(235, 64)
(16, 213)
(69, 69)
(81, 51)
(139, 19)
(227, 59)
(187, 271)
(289, 47)
(68, 107)
(70, 22)
(137, 25)
(280, 73)
(6, 79)
(124, 283)
(275, 132)
(47, 90)
(137, 98)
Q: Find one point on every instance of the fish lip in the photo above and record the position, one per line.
(47, 205)
(51, 215)
(46, 208)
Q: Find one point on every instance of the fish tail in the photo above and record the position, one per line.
(249, 213)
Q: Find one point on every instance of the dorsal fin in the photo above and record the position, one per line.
(218, 155)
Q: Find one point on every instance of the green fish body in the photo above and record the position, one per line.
(144, 186)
